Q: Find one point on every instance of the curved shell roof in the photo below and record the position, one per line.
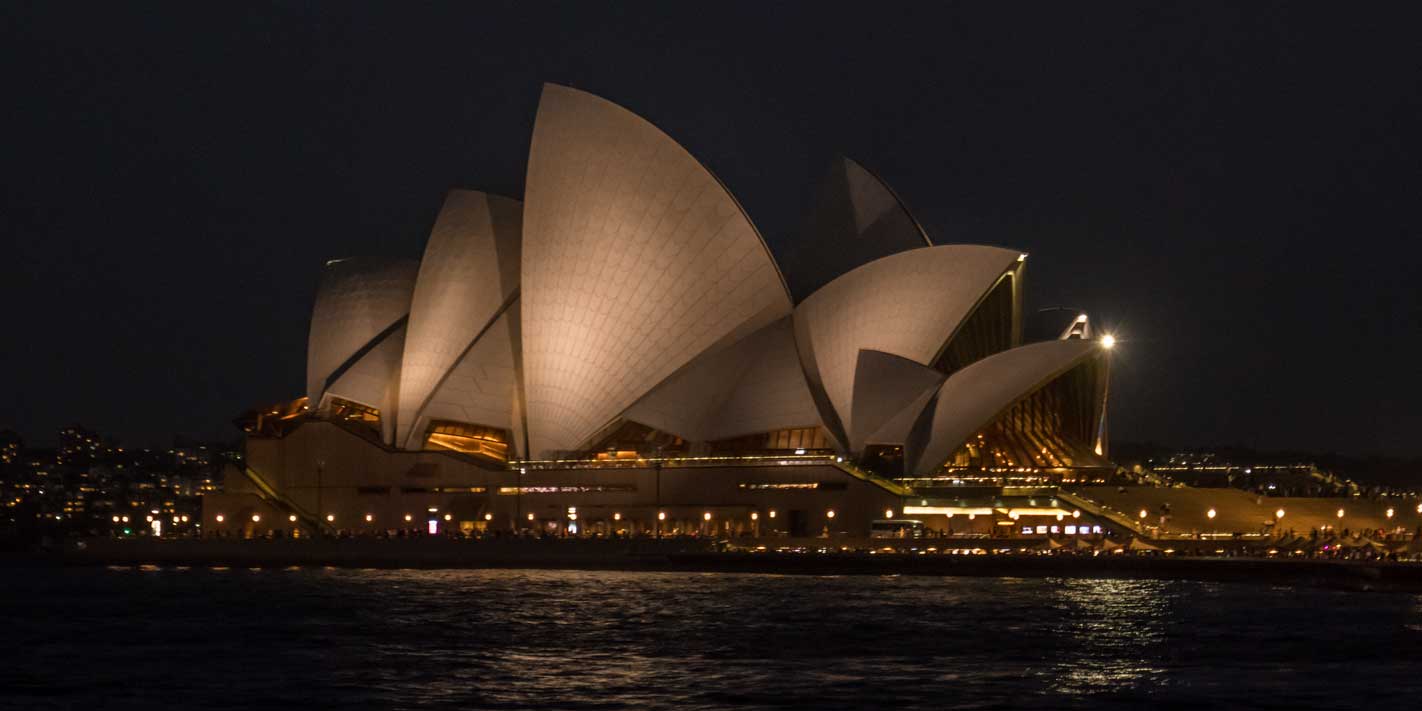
(468, 275)
(884, 386)
(480, 387)
(857, 218)
(635, 260)
(360, 301)
(975, 395)
(372, 379)
(907, 304)
(754, 385)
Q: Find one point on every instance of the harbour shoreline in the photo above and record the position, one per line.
(697, 556)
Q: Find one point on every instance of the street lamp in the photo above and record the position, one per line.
(888, 513)
(1108, 341)
(1340, 513)
(256, 518)
(1278, 514)
(1390, 512)
(1211, 514)
(829, 513)
(1144, 513)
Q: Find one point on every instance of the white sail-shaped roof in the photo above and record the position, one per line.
(360, 303)
(752, 386)
(469, 274)
(481, 387)
(373, 379)
(975, 395)
(884, 386)
(857, 218)
(907, 304)
(635, 261)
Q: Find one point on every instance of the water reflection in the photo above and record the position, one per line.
(530, 639)
(1111, 630)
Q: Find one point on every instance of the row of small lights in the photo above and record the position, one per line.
(572, 515)
(1280, 513)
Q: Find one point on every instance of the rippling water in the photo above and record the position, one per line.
(322, 638)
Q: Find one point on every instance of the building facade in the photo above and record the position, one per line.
(620, 353)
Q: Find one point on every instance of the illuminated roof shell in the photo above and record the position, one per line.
(907, 304)
(635, 261)
(974, 396)
(359, 301)
(468, 276)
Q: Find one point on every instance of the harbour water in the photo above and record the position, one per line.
(200, 637)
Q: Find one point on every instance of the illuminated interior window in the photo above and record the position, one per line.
(350, 413)
(466, 438)
(810, 439)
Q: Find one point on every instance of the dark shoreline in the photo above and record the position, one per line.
(692, 556)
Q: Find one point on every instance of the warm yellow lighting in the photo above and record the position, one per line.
(617, 517)
(530, 517)
(449, 517)
(1076, 514)
(772, 512)
(488, 517)
(220, 518)
(369, 518)
(1340, 513)
(150, 518)
(409, 518)
(185, 518)
(1144, 513)
(1390, 512)
(755, 516)
(706, 516)
(1108, 341)
(330, 518)
(1279, 514)
(291, 518)
(116, 519)
(888, 513)
(256, 518)
(1211, 514)
(661, 515)
(572, 517)
(829, 513)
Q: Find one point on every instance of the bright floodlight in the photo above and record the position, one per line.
(1108, 341)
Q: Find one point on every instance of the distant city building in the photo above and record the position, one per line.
(621, 352)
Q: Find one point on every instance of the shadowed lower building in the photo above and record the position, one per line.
(620, 352)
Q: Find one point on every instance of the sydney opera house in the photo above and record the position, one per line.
(619, 353)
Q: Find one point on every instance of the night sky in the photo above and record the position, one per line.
(1234, 191)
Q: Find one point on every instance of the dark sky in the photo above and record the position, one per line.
(1234, 190)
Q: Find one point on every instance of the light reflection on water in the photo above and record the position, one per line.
(535, 639)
